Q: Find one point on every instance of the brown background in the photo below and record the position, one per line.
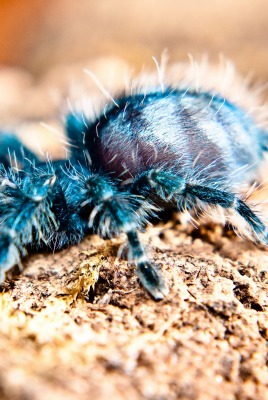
(37, 34)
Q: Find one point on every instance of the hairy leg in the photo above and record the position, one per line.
(25, 216)
(169, 187)
(120, 212)
(230, 201)
(117, 212)
(76, 127)
(39, 207)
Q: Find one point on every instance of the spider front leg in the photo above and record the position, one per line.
(150, 278)
(171, 187)
(116, 212)
(25, 215)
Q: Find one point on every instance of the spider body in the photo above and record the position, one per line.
(171, 149)
(173, 129)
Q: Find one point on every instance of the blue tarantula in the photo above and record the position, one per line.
(170, 148)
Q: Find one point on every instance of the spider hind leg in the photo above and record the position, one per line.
(170, 187)
(230, 201)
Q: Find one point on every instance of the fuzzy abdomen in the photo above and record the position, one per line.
(177, 131)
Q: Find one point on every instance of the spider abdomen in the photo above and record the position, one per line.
(176, 130)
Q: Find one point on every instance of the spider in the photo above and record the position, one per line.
(172, 148)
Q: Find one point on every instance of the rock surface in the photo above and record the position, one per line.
(206, 340)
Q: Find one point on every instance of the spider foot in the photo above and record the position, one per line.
(152, 280)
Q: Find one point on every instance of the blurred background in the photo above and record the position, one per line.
(44, 45)
(37, 34)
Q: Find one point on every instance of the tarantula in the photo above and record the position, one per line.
(168, 148)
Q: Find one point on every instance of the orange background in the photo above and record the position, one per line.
(37, 34)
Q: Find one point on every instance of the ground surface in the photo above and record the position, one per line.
(207, 340)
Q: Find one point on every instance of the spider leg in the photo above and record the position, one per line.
(116, 212)
(25, 216)
(76, 127)
(172, 188)
(230, 201)
(13, 152)
(264, 140)
(150, 278)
